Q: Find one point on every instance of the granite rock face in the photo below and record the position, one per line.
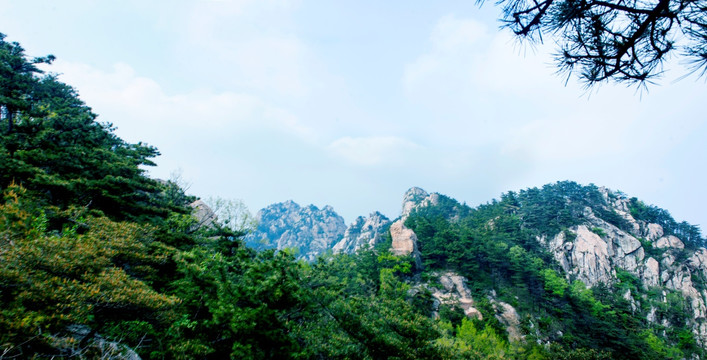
(404, 239)
(415, 198)
(363, 232)
(454, 293)
(309, 230)
(204, 215)
(600, 248)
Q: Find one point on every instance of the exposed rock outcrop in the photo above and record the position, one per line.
(454, 292)
(415, 198)
(600, 247)
(669, 241)
(651, 272)
(588, 257)
(363, 232)
(508, 316)
(652, 232)
(78, 340)
(204, 215)
(309, 230)
(404, 239)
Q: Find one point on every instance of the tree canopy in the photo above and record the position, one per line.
(614, 40)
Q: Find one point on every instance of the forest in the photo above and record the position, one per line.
(98, 260)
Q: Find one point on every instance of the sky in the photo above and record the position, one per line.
(350, 103)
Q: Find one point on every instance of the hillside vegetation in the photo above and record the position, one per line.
(97, 260)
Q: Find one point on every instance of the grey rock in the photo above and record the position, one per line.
(651, 272)
(309, 230)
(652, 232)
(204, 215)
(669, 241)
(363, 232)
(587, 257)
(454, 292)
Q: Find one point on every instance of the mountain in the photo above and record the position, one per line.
(309, 230)
(528, 258)
(313, 232)
(550, 261)
(368, 231)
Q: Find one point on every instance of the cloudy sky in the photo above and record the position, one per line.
(351, 103)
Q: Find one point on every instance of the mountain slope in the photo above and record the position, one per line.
(578, 265)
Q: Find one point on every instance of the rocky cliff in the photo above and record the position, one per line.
(404, 240)
(309, 230)
(363, 232)
(651, 267)
(661, 262)
(313, 231)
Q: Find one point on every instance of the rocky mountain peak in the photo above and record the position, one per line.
(309, 230)
(404, 239)
(415, 198)
(367, 231)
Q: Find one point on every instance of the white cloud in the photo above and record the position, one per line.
(376, 150)
(249, 44)
(454, 44)
(142, 111)
(454, 36)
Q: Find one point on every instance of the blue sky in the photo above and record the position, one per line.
(351, 103)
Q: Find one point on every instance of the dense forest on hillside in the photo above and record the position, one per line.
(97, 260)
(496, 246)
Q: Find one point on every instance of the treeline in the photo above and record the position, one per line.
(688, 233)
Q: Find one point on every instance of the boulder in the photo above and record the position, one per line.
(651, 272)
(455, 292)
(653, 232)
(669, 241)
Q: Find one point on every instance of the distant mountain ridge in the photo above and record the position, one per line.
(311, 231)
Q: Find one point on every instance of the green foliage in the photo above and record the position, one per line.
(599, 231)
(495, 246)
(658, 349)
(622, 42)
(54, 147)
(626, 280)
(554, 283)
(353, 317)
(560, 353)
(481, 344)
(689, 234)
(49, 281)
